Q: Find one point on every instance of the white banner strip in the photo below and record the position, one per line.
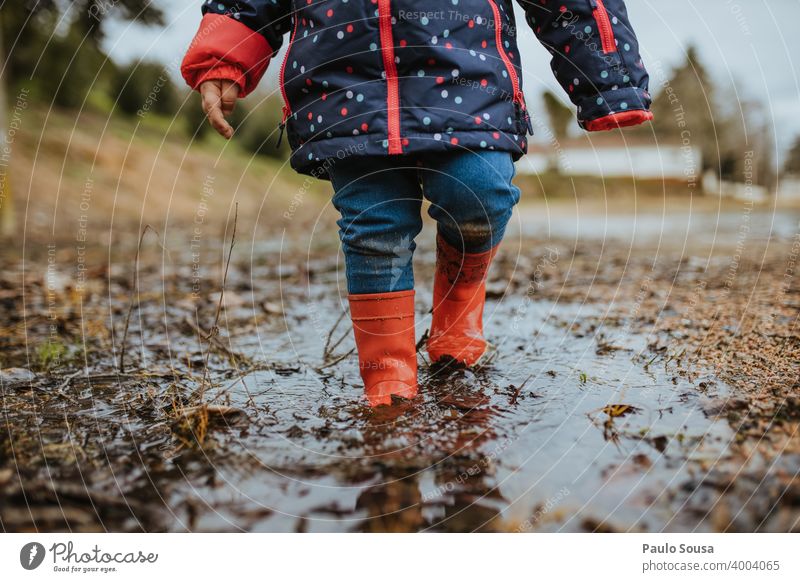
(399, 557)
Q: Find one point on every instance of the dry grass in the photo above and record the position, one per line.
(123, 173)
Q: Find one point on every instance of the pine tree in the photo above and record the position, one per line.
(688, 109)
(560, 115)
(792, 163)
(685, 109)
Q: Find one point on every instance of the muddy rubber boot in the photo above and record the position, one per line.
(383, 325)
(459, 294)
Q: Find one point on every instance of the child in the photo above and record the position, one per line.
(396, 100)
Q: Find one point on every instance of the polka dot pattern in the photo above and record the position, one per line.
(595, 55)
(457, 71)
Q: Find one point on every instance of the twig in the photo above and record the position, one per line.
(326, 351)
(134, 288)
(66, 383)
(422, 340)
(338, 342)
(219, 410)
(215, 327)
(213, 339)
(225, 390)
(519, 390)
(653, 359)
(337, 360)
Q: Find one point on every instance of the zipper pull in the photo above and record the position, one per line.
(593, 4)
(280, 135)
(282, 126)
(520, 101)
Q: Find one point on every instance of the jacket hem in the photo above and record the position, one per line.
(315, 158)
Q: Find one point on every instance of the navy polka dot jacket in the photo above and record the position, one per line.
(385, 77)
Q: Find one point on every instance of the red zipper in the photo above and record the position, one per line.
(604, 26)
(287, 110)
(498, 40)
(393, 90)
(519, 98)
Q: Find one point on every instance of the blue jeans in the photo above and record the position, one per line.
(380, 202)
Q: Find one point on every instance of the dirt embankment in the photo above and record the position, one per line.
(109, 176)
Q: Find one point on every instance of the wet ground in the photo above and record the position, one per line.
(636, 383)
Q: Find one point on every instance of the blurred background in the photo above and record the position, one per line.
(93, 101)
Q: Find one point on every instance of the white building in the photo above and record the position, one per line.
(613, 155)
(788, 190)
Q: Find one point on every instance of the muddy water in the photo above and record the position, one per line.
(525, 442)
(475, 451)
(666, 227)
(571, 423)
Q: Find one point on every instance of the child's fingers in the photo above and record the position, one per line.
(217, 120)
(230, 93)
(211, 92)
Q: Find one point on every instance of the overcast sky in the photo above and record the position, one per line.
(746, 42)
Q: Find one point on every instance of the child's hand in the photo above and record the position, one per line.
(219, 99)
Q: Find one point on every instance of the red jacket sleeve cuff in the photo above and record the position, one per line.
(620, 119)
(226, 49)
(223, 71)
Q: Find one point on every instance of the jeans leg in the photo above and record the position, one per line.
(380, 201)
(472, 197)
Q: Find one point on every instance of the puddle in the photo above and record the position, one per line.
(673, 227)
(570, 425)
(477, 450)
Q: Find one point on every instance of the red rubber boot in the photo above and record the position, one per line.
(383, 325)
(459, 293)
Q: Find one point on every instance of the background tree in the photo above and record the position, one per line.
(689, 104)
(257, 131)
(142, 83)
(44, 41)
(723, 131)
(34, 30)
(792, 164)
(559, 114)
(561, 118)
